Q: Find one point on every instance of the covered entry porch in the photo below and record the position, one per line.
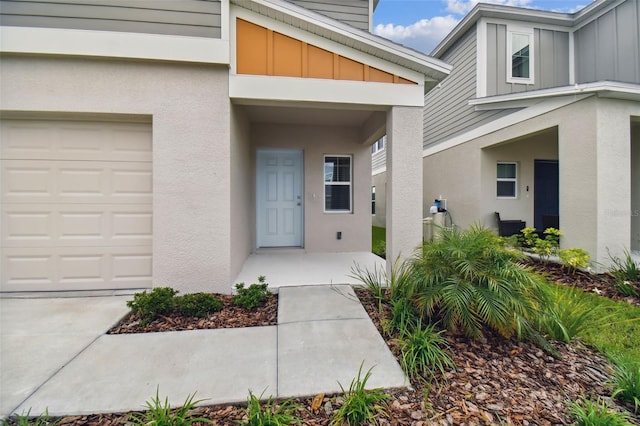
(290, 268)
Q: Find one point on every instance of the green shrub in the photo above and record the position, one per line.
(588, 412)
(360, 405)
(423, 353)
(153, 304)
(469, 280)
(253, 296)
(25, 419)
(270, 413)
(566, 313)
(197, 304)
(574, 258)
(404, 317)
(625, 272)
(626, 383)
(625, 269)
(161, 414)
(543, 247)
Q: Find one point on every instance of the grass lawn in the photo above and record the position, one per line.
(616, 332)
(377, 234)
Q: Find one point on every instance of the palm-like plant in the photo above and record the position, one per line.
(469, 280)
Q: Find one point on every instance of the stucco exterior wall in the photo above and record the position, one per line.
(242, 184)
(454, 175)
(320, 228)
(404, 178)
(540, 146)
(594, 152)
(635, 184)
(189, 109)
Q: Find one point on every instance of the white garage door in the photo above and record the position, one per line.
(76, 209)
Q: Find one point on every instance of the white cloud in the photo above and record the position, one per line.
(462, 7)
(423, 35)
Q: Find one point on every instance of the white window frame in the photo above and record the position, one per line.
(514, 180)
(349, 184)
(379, 145)
(528, 32)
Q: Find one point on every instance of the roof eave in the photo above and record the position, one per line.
(484, 10)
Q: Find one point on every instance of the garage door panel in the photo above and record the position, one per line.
(75, 205)
(39, 181)
(76, 140)
(76, 225)
(68, 268)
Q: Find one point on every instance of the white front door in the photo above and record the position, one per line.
(279, 214)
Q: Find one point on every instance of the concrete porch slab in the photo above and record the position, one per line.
(40, 336)
(120, 372)
(283, 268)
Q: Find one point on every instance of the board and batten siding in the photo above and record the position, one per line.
(350, 12)
(608, 48)
(551, 61)
(194, 18)
(447, 112)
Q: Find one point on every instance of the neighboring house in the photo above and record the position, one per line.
(539, 120)
(161, 143)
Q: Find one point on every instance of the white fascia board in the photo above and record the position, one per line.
(292, 89)
(348, 35)
(56, 41)
(527, 25)
(504, 122)
(516, 100)
(321, 42)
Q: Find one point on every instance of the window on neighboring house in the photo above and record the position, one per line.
(379, 145)
(520, 56)
(337, 183)
(373, 200)
(507, 181)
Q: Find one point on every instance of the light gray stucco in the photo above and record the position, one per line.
(635, 183)
(189, 108)
(404, 177)
(594, 155)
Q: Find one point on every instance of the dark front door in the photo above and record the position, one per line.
(546, 194)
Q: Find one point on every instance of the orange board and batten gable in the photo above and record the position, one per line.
(261, 51)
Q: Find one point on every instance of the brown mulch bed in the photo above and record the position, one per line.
(230, 316)
(602, 284)
(497, 381)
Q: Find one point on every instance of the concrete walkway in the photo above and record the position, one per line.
(55, 355)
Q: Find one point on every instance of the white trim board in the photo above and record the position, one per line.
(55, 41)
(292, 89)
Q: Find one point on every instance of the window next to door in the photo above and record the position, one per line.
(507, 180)
(337, 183)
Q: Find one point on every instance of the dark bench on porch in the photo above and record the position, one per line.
(507, 228)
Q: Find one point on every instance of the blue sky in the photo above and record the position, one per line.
(422, 24)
